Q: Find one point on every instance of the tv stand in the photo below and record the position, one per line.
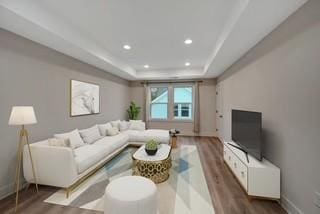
(241, 149)
(259, 179)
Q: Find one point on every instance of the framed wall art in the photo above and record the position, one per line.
(85, 98)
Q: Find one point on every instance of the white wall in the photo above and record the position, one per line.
(280, 77)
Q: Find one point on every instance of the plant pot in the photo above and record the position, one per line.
(151, 152)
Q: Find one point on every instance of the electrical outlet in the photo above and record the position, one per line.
(317, 199)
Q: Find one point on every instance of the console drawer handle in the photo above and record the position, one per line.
(235, 165)
(242, 173)
(229, 158)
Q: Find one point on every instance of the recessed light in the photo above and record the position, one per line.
(146, 66)
(187, 64)
(127, 47)
(187, 41)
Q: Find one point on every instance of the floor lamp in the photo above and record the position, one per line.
(22, 115)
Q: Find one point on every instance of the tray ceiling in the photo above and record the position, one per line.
(95, 32)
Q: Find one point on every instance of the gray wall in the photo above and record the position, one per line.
(31, 74)
(207, 95)
(281, 78)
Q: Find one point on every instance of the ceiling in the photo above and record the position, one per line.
(95, 32)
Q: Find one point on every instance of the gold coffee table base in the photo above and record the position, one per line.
(157, 171)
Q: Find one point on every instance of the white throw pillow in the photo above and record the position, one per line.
(103, 128)
(137, 125)
(90, 135)
(116, 123)
(112, 131)
(124, 125)
(74, 137)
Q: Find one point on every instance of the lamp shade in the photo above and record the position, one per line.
(22, 115)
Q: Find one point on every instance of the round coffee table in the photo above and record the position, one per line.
(155, 167)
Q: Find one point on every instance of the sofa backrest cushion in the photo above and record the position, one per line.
(59, 142)
(103, 128)
(116, 123)
(90, 135)
(74, 137)
(112, 131)
(124, 126)
(137, 125)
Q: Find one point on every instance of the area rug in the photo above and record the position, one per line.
(185, 192)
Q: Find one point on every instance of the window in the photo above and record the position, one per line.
(171, 102)
(182, 111)
(159, 103)
(183, 103)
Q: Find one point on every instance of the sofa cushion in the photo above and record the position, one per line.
(59, 142)
(124, 125)
(113, 131)
(74, 137)
(161, 136)
(103, 128)
(88, 155)
(137, 125)
(115, 142)
(115, 123)
(90, 135)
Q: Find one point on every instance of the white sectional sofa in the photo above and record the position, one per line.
(66, 167)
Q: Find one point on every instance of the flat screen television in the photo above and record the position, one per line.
(246, 131)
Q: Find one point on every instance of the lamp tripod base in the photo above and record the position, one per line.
(23, 140)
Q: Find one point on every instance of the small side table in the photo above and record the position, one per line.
(173, 133)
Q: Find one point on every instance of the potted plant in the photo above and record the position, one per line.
(151, 147)
(133, 111)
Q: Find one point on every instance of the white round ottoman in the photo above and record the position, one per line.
(131, 194)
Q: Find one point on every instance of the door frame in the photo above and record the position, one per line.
(219, 112)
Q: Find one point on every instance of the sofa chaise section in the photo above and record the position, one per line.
(140, 137)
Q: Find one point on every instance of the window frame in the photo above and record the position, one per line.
(170, 105)
(150, 104)
(182, 105)
(192, 103)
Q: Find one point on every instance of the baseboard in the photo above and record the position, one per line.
(208, 134)
(8, 189)
(201, 134)
(289, 206)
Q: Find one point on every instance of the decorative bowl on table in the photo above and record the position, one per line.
(151, 147)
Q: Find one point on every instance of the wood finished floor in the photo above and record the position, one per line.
(226, 193)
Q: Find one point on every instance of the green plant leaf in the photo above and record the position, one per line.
(133, 111)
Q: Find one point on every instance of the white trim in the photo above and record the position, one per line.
(201, 134)
(8, 189)
(170, 121)
(183, 85)
(180, 117)
(150, 103)
(289, 206)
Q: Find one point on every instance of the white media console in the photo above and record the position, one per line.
(258, 178)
